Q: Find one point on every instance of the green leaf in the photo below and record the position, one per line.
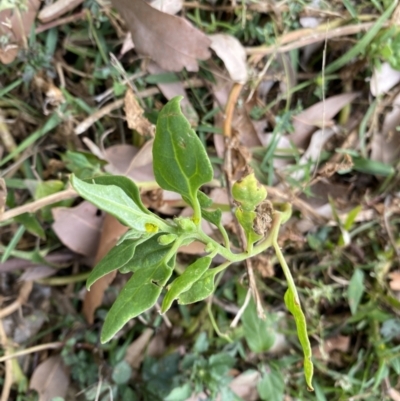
(355, 290)
(148, 254)
(295, 309)
(246, 220)
(259, 333)
(272, 386)
(248, 192)
(122, 373)
(180, 161)
(113, 200)
(31, 223)
(204, 200)
(181, 393)
(185, 281)
(126, 184)
(200, 290)
(139, 294)
(117, 258)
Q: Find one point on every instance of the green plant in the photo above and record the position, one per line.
(149, 248)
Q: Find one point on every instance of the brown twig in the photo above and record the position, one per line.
(36, 348)
(307, 37)
(23, 296)
(60, 21)
(227, 130)
(39, 204)
(8, 377)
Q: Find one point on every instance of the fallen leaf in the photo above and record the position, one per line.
(171, 41)
(383, 79)
(78, 228)
(393, 394)
(394, 281)
(313, 152)
(232, 53)
(57, 9)
(245, 385)
(305, 123)
(112, 230)
(385, 145)
(337, 343)
(134, 115)
(38, 272)
(135, 353)
(168, 6)
(50, 379)
(16, 25)
(172, 89)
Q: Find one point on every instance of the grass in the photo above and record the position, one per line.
(341, 266)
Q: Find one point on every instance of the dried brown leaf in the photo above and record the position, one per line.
(169, 40)
(337, 343)
(78, 228)
(394, 281)
(135, 353)
(57, 9)
(232, 53)
(168, 6)
(111, 231)
(383, 79)
(134, 115)
(50, 379)
(385, 145)
(393, 394)
(16, 25)
(318, 115)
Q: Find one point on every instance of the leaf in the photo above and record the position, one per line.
(272, 386)
(50, 379)
(295, 309)
(117, 258)
(134, 115)
(79, 227)
(112, 230)
(31, 223)
(122, 373)
(181, 393)
(232, 53)
(139, 294)
(180, 161)
(246, 220)
(126, 184)
(169, 40)
(200, 290)
(213, 216)
(113, 200)
(355, 290)
(259, 333)
(147, 254)
(185, 281)
(16, 25)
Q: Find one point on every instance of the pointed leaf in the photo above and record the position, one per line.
(213, 216)
(117, 258)
(204, 200)
(139, 294)
(355, 290)
(200, 290)
(126, 184)
(180, 161)
(116, 202)
(185, 281)
(147, 254)
(295, 309)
